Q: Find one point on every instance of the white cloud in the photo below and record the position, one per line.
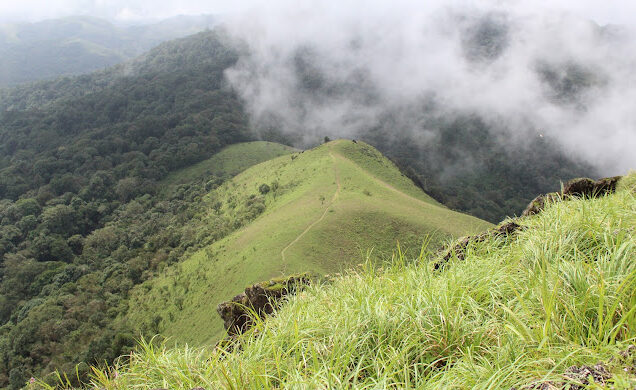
(409, 49)
(609, 11)
(131, 10)
(403, 52)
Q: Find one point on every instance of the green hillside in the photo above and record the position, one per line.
(81, 44)
(227, 163)
(552, 306)
(73, 320)
(102, 187)
(325, 208)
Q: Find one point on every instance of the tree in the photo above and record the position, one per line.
(59, 219)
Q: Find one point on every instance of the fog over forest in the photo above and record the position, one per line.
(559, 69)
(338, 69)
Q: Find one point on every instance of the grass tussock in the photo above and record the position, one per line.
(516, 311)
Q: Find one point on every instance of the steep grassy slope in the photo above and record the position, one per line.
(516, 311)
(325, 208)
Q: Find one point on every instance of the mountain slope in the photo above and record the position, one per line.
(82, 219)
(82, 213)
(80, 44)
(552, 306)
(228, 162)
(57, 314)
(325, 209)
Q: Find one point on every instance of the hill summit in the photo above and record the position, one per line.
(323, 211)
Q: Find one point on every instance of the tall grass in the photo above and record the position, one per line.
(517, 310)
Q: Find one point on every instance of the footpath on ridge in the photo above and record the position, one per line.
(331, 202)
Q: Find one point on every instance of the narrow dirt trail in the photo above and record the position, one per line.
(324, 214)
(387, 185)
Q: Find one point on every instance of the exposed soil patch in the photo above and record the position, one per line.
(579, 377)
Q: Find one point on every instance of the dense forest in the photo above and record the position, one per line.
(84, 216)
(72, 242)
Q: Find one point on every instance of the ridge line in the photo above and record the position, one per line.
(333, 199)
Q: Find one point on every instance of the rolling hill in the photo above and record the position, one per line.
(318, 211)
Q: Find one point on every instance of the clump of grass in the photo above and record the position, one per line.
(559, 293)
(628, 182)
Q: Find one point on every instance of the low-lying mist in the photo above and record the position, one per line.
(315, 69)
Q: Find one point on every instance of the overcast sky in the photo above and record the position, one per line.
(603, 11)
(119, 10)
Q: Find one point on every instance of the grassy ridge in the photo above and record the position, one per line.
(325, 209)
(516, 311)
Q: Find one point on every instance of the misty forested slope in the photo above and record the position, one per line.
(74, 45)
(476, 106)
(83, 212)
(467, 167)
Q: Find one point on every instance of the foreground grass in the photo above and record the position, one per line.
(517, 311)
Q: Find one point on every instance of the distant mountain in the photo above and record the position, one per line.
(80, 44)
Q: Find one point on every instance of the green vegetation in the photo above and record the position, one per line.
(142, 236)
(325, 209)
(628, 183)
(84, 214)
(81, 44)
(110, 179)
(466, 166)
(227, 163)
(516, 311)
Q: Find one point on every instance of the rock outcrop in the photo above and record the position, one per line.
(257, 300)
(574, 188)
(580, 377)
(537, 204)
(459, 249)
